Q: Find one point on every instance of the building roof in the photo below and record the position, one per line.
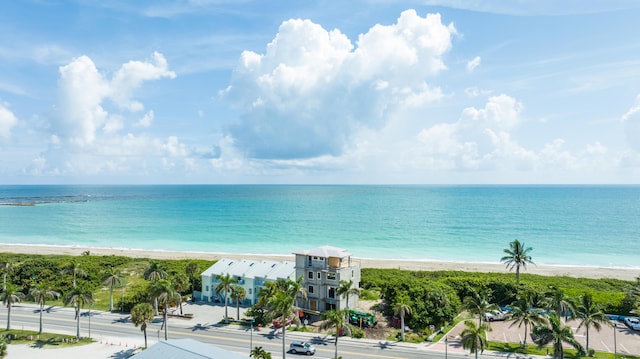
(326, 252)
(283, 270)
(186, 349)
(251, 269)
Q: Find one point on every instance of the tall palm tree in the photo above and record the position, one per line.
(474, 337)
(10, 296)
(225, 286)
(192, 270)
(40, 293)
(526, 311)
(295, 289)
(590, 314)
(335, 319)
(142, 314)
(112, 278)
(75, 269)
(78, 297)
(402, 307)
(153, 273)
(238, 294)
(557, 301)
(517, 255)
(180, 284)
(479, 303)
(165, 294)
(346, 289)
(556, 333)
(7, 267)
(281, 306)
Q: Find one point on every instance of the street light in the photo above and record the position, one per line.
(615, 345)
(251, 336)
(446, 346)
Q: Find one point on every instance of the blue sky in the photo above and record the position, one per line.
(420, 92)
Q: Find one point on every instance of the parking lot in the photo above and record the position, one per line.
(623, 339)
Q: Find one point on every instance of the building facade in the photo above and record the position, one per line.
(249, 274)
(322, 269)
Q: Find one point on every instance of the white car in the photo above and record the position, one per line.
(494, 316)
(632, 322)
(302, 348)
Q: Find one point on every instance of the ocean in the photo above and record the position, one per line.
(564, 225)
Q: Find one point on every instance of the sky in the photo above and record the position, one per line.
(319, 92)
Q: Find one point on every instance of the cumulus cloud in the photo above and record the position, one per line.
(7, 121)
(313, 89)
(83, 91)
(479, 139)
(472, 64)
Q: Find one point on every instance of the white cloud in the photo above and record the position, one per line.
(7, 121)
(472, 64)
(312, 90)
(83, 91)
(146, 120)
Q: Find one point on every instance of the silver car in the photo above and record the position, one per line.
(302, 348)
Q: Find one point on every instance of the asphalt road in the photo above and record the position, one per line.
(115, 327)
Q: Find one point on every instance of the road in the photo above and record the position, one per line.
(106, 325)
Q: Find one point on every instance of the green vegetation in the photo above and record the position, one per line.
(43, 340)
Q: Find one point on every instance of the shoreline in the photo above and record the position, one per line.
(623, 273)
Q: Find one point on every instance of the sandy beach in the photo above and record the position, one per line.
(571, 271)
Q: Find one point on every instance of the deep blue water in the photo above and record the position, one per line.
(570, 225)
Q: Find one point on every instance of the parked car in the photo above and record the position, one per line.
(493, 316)
(302, 348)
(632, 322)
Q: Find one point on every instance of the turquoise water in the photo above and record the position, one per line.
(565, 225)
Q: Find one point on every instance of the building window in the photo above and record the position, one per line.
(319, 275)
(207, 289)
(310, 275)
(331, 276)
(332, 293)
(250, 291)
(310, 290)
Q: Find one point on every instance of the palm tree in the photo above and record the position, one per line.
(238, 294)
(558, 302)
(10, 296)
(192, 269)
(295, 289)
(6, 267)
(180, 284)
(153, 273)
(474, 337)
(164, 293)
(556, 333)
(75, 269)
(225, 286)
(590, 314)
(112, 277)
(525, 311)
(142, 314)
(281, 306)
(40, 293)
(335, 319)
(346, 289)
(401, 307)
(478, 303)
(78, 297)
(517, 255)
(260, 353)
